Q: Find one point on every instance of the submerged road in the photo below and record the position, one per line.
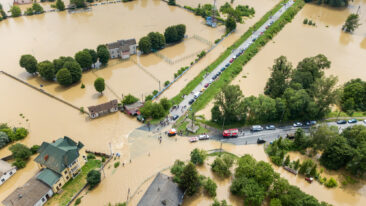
(211, 77)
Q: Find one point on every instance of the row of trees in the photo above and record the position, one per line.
(303, 93)
(335, 3)
(353, 96)
(238, 12)
(2, 13)
(8, 134)
(156, 110)
(66, 70)
(155, 41)
(256, 181)
(35, 9)
(21, 154)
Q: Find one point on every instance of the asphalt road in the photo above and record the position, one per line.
(248, 137)
(184, 106)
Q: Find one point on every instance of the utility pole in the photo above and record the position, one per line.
(223, 123)
(159, 86)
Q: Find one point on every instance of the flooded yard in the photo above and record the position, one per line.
(298, 41)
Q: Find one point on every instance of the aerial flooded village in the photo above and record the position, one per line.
(182, 102)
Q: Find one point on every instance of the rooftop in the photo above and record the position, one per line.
(103, 107)
(4, 167)
(29, 194)
(120, 43)
(162, 192)
(59, 154)
(48, 177)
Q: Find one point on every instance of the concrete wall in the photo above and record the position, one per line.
(114, 53)
(43, 199)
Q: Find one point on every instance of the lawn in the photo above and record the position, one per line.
(74, 185)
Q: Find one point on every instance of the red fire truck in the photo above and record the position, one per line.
(230, 133)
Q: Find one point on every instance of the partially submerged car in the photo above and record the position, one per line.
(342, 121)
(297, 124)
(270, 127)
(352, 121)
(261, 141)
(193, 139)
(203, 137)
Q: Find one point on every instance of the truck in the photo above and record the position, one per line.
(230, 133)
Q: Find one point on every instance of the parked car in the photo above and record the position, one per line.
(222, 69)
(261, 141)
(342, 121)
(254, 39)
(297, 124)
(210, 82)
(310, 123)
(214, 77)
(203, 137)
(206, 85)
(352, 121)
(197, 94)
(203, 89)
(364, 121)
(227, 65)
(270, 127)
(175, 117)
(172, 132)
(191, 101)
(193, 139)
(230, 133)
(231, 60)
(256, 128)
(309, 179)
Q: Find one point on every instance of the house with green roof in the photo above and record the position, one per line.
(60, 161)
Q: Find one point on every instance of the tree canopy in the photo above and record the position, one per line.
(28, 62)
(64, 77)
(99, 84)
(46, 70)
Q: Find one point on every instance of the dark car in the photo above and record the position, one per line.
(227, 65)
(175, 117)
(214, 77)
(352, 121)
(270, 127)
(206, 85)
(222, 69)
(141, 118)
(191, 101)
(342, 121)
(261, 141)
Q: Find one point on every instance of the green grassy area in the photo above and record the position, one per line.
(336, 114)
(223, 152)
(193, 84)
(74, 185)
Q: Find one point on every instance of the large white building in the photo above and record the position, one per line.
(6, 171)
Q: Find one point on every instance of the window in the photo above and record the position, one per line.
(65, 172)
(59, 185)
(10, 173)
(43, 199)
(2, 180)
(5, 173)
(67, 177)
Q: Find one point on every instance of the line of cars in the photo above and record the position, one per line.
(199, 137)
(351, 121)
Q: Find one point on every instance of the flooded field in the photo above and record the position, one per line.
(261, 7)
(298, 41)
(62, 34)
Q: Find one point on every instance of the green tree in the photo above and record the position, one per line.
(357, 164)
(64, 77)
(171, 35)
(99, 84)
(60, 5)
(167, 104)
(20, 133)
(34, 149)
(37, 8)
(177, 170)
(306, 167)
(322, 136)
(157, 41)
(75, 70)
(280, 77)
(93, 54)
(129, 99)
(93, 178)
(228, 105)
(220, 167)
(337, 154)
(210, 187)
(331, 183)
(190, 181)
(59, 63)
(300, 140)
(28, 62)
(20, 151)
(287, 161)
(46, 70)
(145, 45)
(353, 96)
(352, 23)
(153, 110)
(2, 13)
(171, 2)
(198, 156)
(15, 11)
(230, 24)
(4, 139)
(84, 59)
(275, 202)
(181, 31)
(103, 54)
(78, 3)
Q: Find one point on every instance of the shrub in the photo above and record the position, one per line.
(20, 133)
(90, 156)
(198, 156)
(19, 163)
(129, 99)
(103, 159)
(116, 164)
(34, 149)
(220, 167)
(20, 151)
(166, 83)
(210, 187)
(78, 201)
(305, 21)
(331, 183)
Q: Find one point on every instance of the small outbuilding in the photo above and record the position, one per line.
(122, 48)
(162, 192)
(133, 109)
(101, 109)
(23, 1)
(6, 171)
(32, 193)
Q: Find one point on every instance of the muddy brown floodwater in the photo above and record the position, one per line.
(57, 34)
(297, 41)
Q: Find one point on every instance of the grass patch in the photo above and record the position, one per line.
(74, 185)
(221, 153)
(193, 84)
(343, 114)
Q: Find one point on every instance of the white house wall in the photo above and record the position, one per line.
(7, 176)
